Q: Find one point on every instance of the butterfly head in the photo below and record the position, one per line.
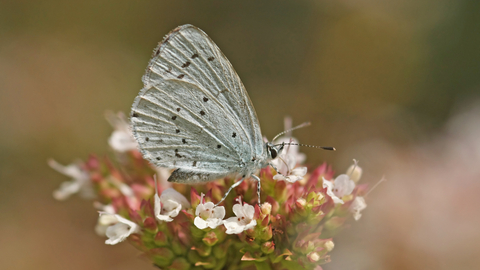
(274, 150)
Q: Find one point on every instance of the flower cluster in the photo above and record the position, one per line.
(180, 227)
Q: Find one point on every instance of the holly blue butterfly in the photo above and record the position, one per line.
(194, 114)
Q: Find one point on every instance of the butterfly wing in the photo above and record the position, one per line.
(193, 112)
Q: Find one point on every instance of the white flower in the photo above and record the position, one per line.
(293, 150)
(122, 139)
(243, 220)
(208, 215)
(106, 219)
(285, 164)
(357, 205)
(80, 181)
(169, 204)
(343, 186)
(329, 185)
(120, 230)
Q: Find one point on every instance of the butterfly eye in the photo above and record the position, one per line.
(273, 153)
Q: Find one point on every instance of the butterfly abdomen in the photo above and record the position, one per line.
(184, 176)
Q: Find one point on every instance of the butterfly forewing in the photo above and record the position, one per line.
(193, 112)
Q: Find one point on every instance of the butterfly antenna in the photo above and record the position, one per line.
(306, 124)
(313, 146)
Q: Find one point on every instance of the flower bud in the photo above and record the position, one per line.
(210, 238)
(194, 198)
(355, 172)
(162, 257)
(329, 245)
(177, 247)
(150, 225)
(313, 257)
(161, 239)
(203, 250)
(266, 208)
(268, 247)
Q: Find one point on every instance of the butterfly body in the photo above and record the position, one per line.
(194, 114)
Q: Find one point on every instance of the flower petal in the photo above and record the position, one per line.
(358, 205)
(238, 210)
(121, 230)
(200, 223)
(329, 185)
(250, 225)
(172, 194)
(249, 211)
(232, 225)
(219, 212)
(343, 185)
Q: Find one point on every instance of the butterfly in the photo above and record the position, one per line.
(194, 115)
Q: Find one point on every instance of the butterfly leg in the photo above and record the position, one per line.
(259, 185)
(230, 189)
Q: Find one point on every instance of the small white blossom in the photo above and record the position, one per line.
(169, 204)
(208, 215)
(293, 150)
(243, 220)
(329, 185)
(343, 186)
(106, 219)
(285, 163)
(120, 230)
(122, 139)
(357, 206)
(80, 182)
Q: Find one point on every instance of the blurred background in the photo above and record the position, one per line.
(394, 84)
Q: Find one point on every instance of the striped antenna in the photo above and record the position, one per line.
(313, 146)
(306, 124)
